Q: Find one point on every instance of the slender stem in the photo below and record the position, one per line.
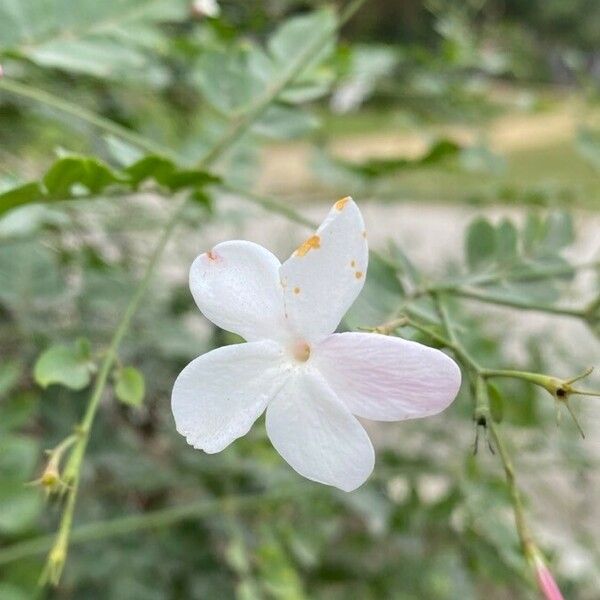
(523, 530)
(58, 553)
(537, 378)
(150, 520)
(483, 410)
(271, 205)
(455, 343)
(74, 110)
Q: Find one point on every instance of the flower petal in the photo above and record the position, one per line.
(236, 285)
(316, 434)
(326, 273)
(219, 395)
(387, 378)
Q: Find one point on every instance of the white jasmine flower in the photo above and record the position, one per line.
(312, 382)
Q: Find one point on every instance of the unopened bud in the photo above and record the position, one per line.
(51, 480)
(544, 577)
(561, 389)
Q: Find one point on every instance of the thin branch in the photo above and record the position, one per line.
(272, 206)
(26, 91)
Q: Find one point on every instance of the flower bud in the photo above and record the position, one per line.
(560, 389)
(545, 580)
(50, 480)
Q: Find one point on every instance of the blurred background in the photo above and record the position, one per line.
(452, 124)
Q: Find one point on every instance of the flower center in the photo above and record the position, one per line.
(301, 351)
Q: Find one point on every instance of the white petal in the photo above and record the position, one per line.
(316, 434)
(326, 273)
(236, 285)
(387, 378)
(219, 395)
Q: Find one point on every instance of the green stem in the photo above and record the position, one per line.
(521, 524)
(483, 415)
(58, 553)
(536, 378)
(74, 110)
(455, 344)
(273, 206)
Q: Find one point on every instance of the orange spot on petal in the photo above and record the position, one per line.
(312, 243)
(339, 205)
(296, 290)
(358, 274)
(364, 234)
(353, 264)
(211, 254)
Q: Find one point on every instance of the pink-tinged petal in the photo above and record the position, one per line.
(316, 434)
(219, 395)
(387, 378)
(326, 273)
(546, 582)
(236, 285)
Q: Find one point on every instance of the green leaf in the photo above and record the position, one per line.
(290, 39)
(506, 241)
(69, 366)
(559, 232)
(232, 78)
(167, 174)
(100, 39)
(480, 248)
(129, 386)
(76, 177)
(23, 194)
(439, 151)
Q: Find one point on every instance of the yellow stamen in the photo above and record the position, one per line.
(302, 351)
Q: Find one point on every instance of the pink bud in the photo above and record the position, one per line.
(545, 580)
